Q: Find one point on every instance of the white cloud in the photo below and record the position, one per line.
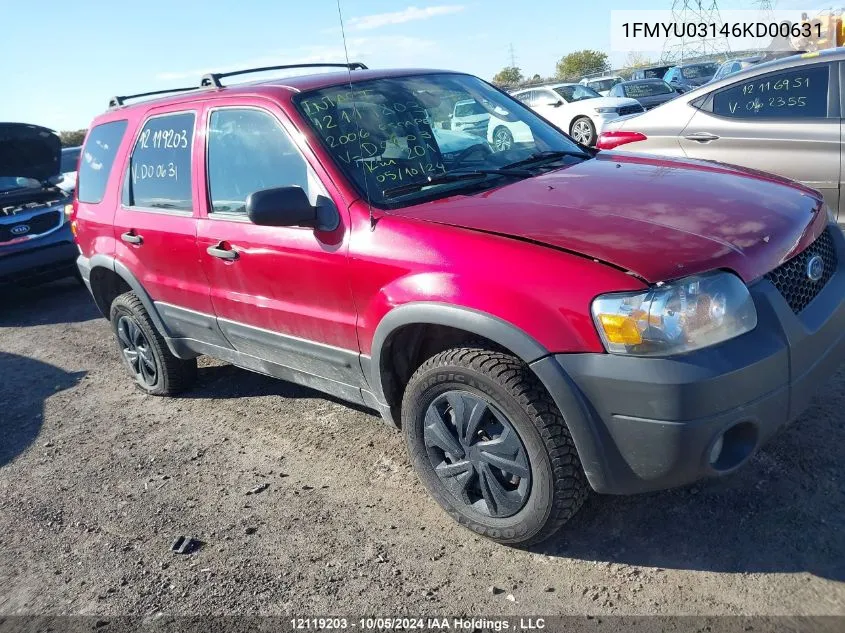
(411, 14)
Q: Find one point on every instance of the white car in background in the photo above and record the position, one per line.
(470, 117)
(602, 85)
(578, 110)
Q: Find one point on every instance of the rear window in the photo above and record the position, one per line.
(791, 94)
(97, 160)
(699, 71)
(159, 174)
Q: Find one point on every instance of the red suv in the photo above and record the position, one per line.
(540, 320)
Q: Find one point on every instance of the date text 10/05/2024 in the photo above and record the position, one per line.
(418, 624)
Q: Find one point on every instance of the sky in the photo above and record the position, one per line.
(61, 62)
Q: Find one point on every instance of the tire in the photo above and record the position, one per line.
(583, 131)
(156, 371)
(531, 504)
(502, 139)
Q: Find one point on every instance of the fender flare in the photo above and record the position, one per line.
(111, 264)
(563, 391)
(435, 313)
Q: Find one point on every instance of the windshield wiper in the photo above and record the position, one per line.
(454, 176)
(540, 157)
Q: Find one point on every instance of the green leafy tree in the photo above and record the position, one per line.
(576, 65)
(508, 76)
(72, 138)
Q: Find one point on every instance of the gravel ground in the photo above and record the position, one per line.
(98, 479)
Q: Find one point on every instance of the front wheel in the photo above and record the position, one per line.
(583, 131)
(490, 445)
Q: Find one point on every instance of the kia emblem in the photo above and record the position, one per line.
(20, 229)
(815, 268)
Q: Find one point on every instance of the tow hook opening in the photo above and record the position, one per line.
(731, 448)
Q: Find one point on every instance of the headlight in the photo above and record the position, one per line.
(676, 317)
(606, 110)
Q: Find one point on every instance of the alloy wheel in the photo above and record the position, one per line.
(581, 132)
(477, 454)
(136, 350)
(502, 140)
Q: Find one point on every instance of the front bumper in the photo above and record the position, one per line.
(52, 256)
(650, 423)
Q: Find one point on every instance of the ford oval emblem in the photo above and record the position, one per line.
(20, 229)
(815, 268)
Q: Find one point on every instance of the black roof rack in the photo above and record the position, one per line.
(114, 102)
(213, 79)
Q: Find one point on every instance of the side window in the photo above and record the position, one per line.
(799, 93)
(523, 96)
(159, 175)
(249, 151)
(97, 160)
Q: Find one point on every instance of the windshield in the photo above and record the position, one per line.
(603, 84)
(648, 89)
(70, 159)
(10, 183)
(699, 71)
(394, 132)
(652, 73)
(576, 92)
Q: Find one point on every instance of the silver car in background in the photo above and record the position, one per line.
(782, 117)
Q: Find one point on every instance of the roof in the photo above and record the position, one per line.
(295, 84)
(646, 80)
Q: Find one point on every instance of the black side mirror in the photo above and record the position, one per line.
(289, 206)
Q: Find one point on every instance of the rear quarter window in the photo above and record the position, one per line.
(796, 93)
(98, 156)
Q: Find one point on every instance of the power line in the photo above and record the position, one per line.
(676, 49)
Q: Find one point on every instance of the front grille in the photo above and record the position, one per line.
(630, 109)
(791, 278)
(37, 224)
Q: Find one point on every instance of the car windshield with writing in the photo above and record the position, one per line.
(391, 137)
(699, 71)
(602, 85)
(576, 92)
(635, 90)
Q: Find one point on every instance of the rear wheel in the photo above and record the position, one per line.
(583, 131)
(490, 445)
(502, 139)
(143, 350)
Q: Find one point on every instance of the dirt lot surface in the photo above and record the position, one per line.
(97, 480)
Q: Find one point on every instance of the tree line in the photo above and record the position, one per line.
(571, 67)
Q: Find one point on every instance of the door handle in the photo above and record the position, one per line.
(222, 253)
(702, 137)
(131, 238)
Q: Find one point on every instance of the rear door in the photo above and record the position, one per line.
(155, 223)
(280, 293)
(785, 122)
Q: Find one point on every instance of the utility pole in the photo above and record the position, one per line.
(677, 49)
(512, 55)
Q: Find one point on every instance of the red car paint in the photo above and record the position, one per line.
(534, 253)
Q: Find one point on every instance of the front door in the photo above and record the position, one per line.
(785, 123)
(280, 293)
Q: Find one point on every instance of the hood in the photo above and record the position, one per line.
(30, 151)
(655, 217)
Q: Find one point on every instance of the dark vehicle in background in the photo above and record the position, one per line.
(690, 76)
(36, 243)
(735, 65)
(650, 93)
(654, 72)
(70, 162)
